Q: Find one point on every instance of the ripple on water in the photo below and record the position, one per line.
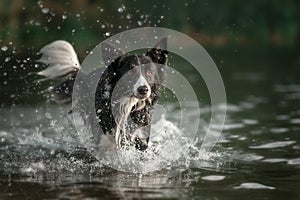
(213, 178)
(250, 121)
(274, 160)
(287, 88)
(237, 137)
(248, 157)
(282, 117)
(273, 145)
(295, 161)
(279, 130)
(226, 126)
(254, 186)
(295, 121)
(296, 147)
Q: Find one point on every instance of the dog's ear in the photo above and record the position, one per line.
(110, 53)
(159, 53)
(161, 44)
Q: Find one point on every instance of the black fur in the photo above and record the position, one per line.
(139, 118)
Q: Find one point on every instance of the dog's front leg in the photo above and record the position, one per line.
(140, 137)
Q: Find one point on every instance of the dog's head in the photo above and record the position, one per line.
(132, 84)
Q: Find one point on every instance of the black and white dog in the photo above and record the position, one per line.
(126, 89)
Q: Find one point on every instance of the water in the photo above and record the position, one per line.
(257, 156)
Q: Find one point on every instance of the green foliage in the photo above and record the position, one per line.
(85, 22)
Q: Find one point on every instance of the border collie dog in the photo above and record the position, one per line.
(126, 89)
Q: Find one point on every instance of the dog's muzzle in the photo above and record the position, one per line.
(143, 92)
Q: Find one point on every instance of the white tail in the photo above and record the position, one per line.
(61, 59)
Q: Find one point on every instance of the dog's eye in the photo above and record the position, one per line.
(149, 73)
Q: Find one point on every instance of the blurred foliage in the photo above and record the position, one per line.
(30, 23)
(27, 25)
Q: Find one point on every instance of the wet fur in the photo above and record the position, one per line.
(133, 114)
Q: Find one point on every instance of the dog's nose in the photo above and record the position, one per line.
(142, 90)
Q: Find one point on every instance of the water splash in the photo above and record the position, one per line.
(51, 144)
(4, 48)
(168, 147)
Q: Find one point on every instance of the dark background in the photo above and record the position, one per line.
(242, 37)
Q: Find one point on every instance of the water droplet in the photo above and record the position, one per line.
(128, 16)
(45, 10)
(139, 23)
(120, 10)
(64, 16)
(48, 115)
(4, 48)
(107, 34)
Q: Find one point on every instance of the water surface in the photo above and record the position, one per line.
(257, 156)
